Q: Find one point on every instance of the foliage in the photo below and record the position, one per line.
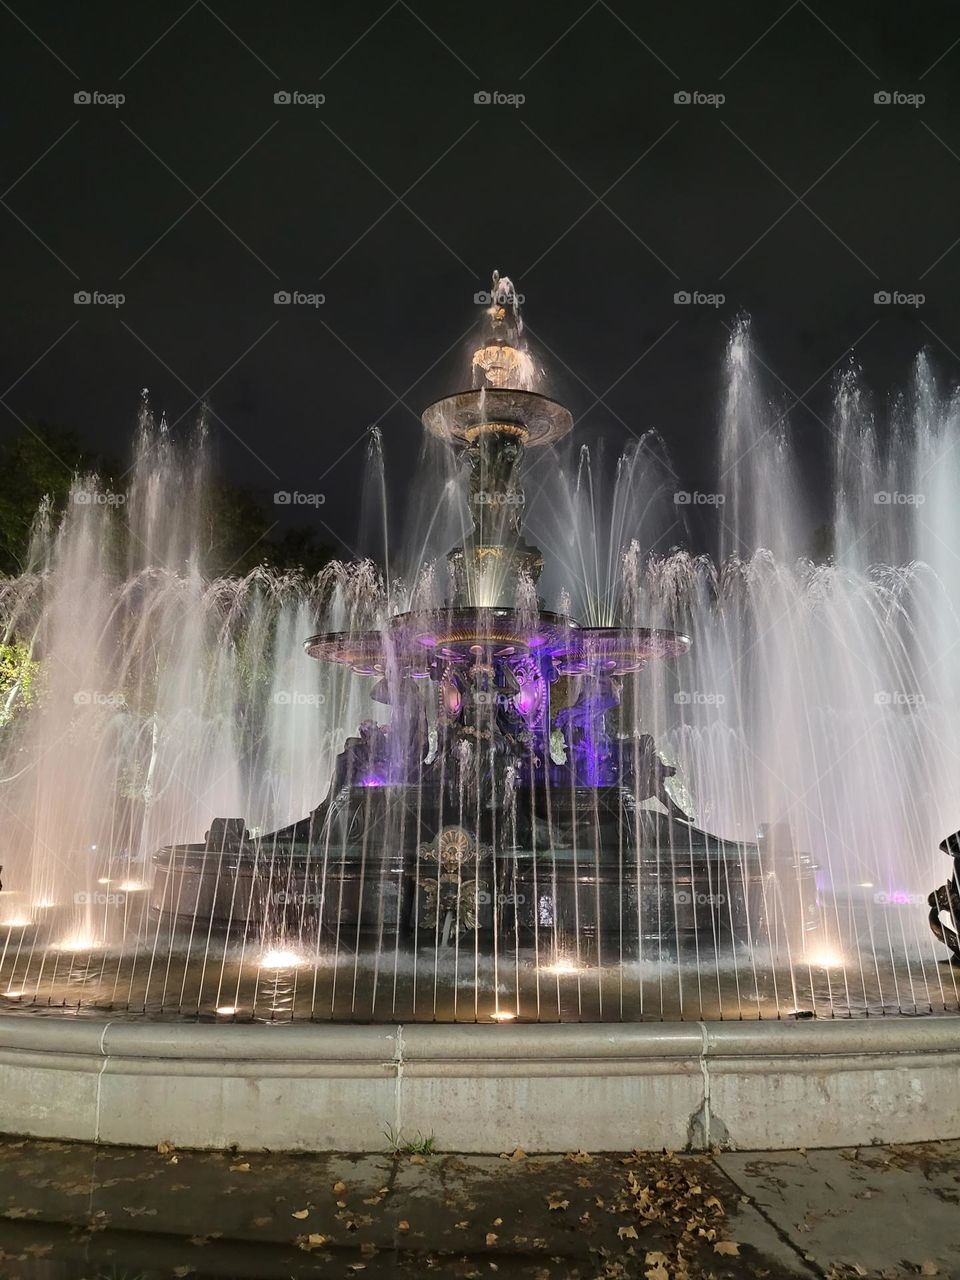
(241, 529)
(243, 533)
(18, 679)
(38, 462)
(418, 1146)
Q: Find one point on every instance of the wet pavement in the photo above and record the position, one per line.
(70, 1211)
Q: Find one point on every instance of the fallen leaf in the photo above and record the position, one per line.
(729, 1248)
(929, 1269)
(461, 1226)
(657, 1272)
(339, 1188)
(491, 1237)
(299, 1213)
(403, 1225)
(165, 1148)
(240, 1168)
(579, 1157)
(183, 1271)
(628, 1233)
(555, 1202)
(313, 1241)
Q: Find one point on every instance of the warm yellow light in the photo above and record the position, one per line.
(16, 922)
(225, 1010)
(79, 941)
(825, 957)
(503, 1015)
(563, 968)
(13, 995)
(866, 884)
(131, 886)
(280, 958)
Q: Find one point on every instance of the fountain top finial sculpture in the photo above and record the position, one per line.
(503, 401)
(502, 359)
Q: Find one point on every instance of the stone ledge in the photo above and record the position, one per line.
(749, 1085)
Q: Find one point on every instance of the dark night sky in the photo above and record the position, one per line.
(798, 198)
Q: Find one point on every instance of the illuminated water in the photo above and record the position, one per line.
(820, 695)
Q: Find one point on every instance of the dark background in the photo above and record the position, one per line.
(198, 198)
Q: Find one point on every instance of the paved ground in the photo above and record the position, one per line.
(76, 1212)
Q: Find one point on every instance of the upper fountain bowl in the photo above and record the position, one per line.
(533, 418)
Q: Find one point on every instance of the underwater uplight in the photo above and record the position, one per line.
(131, 886)
(16, 922)
(825, 957)
(502, 1015)
(13, 995)
(280, 958)
(79, 941)
(563, 968)
(225, 1010)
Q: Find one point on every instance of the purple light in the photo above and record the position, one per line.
(535, 642)
(527, 698)
(372, 780)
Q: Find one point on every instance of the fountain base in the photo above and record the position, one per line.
(606, 1087)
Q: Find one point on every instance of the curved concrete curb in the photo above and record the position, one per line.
(750, 1085)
